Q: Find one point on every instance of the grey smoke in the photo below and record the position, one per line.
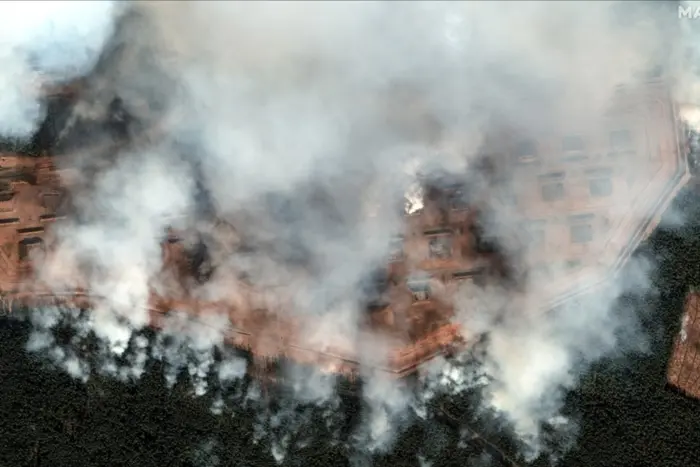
(325, 106)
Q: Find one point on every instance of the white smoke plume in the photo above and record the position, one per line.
(42, 44)
(317, 113)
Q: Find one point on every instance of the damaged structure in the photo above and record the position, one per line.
(559, 186)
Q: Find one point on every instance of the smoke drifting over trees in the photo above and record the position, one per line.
(303, 120)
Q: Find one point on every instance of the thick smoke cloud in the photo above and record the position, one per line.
(304, 124)
(42, 44)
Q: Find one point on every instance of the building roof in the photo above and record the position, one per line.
(637, 163)
(684, 365)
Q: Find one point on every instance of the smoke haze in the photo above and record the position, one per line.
(304, 124)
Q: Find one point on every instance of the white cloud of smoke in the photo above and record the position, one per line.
(44, 43)
(323, 105)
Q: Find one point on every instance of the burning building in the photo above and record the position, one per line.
(558, 185)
